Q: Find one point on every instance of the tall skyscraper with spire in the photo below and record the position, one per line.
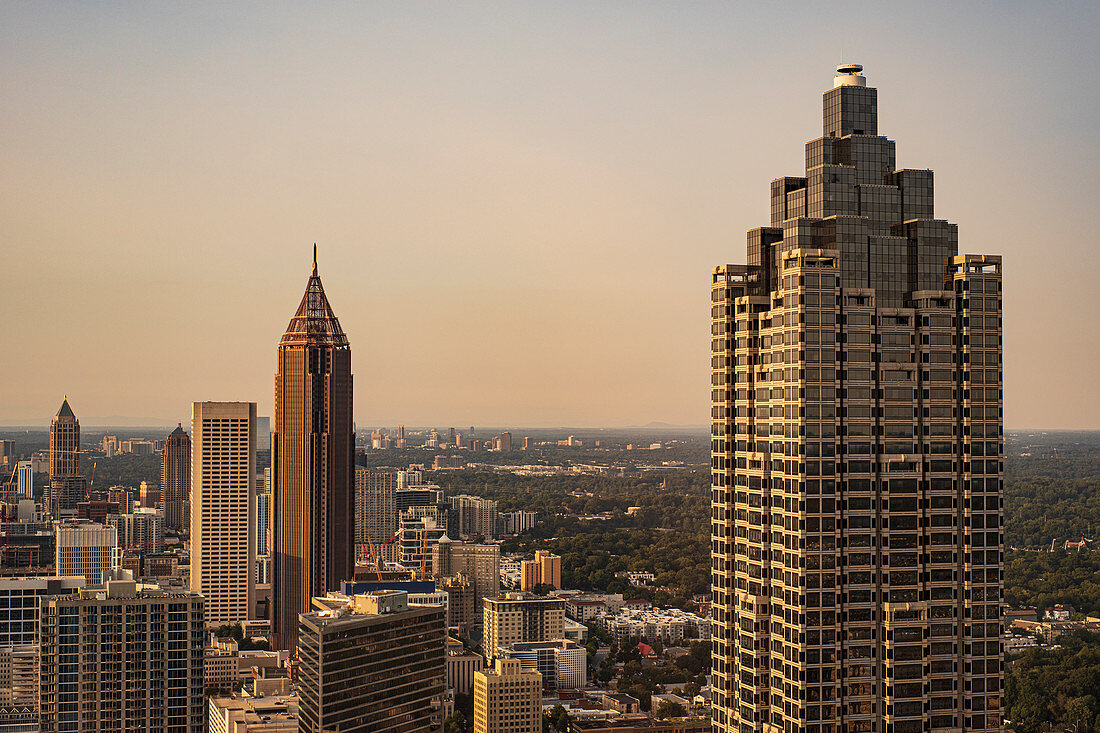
(66, 484)
(856, 453)
(175, 480)
(312, 461)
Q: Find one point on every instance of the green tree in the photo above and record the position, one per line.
(670, 709)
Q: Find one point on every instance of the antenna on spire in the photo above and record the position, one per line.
(314, 258)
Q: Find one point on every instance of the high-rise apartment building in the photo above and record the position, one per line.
(175, 481)
(477, 517)
(375, 505)
(122, 657)
(24, 479)
(856, 438)
(67, 486)
(372, 664)
(86, 549)
(479, 563)
(521, 617)
(507, 699)
(313, 461)
(141, 530)
(545, 568)
(223, 547)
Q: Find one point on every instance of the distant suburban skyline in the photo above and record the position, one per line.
(516, 206)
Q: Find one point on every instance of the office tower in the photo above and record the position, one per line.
(123, 657)
(24, 479)
(372, 665)
(223, 547)
(479, 563)
(521, 617)
(477, 517)
(400, 442)
(175, 480)
(856, 441)
(375, 505)
(526, 442)
(505, 442)
(7, 452)
(142, 530)
(66, 484)
(507, 699)
(408, 479)
(545, 568)
(85, 549)
(461, 666)
(562, 663)
(462, 602)
(313, 461)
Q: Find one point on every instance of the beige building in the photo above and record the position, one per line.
(223, 545)
(462, 665)
(67, 485)
(545, 568)
(856, 451)
(507, 699)
(479, 563)
(521, 617)
(252, 715)
(86, 549)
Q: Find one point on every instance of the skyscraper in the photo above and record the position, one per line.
(175, 480)
(312, 457)
(856, 438)
(86, 549)
(24, 480)
(223, 548)
(66, 483)
(507, 699)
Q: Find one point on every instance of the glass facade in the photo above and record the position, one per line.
(856, 454)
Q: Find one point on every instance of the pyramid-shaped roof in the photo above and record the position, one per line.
(314, 323)
(179, 430)
(65, 410)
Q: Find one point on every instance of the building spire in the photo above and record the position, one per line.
(314, 258)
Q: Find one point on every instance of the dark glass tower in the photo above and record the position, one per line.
(175, 480)
(856, 453)
(312, 461)
(67, 486)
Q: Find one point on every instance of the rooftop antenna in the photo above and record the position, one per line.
(314, 258)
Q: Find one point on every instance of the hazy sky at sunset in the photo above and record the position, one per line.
(517, 205)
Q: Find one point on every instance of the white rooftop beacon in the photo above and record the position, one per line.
(849, 74)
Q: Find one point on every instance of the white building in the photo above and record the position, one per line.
(142, 529)
(667, 625)
(223, 543)
(86, 549)
(24, 478)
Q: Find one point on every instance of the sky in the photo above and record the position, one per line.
(516, 205)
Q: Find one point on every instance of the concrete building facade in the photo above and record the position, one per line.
(223, 548)
(507, 699)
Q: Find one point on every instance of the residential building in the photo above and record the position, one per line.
(375, 505)
(141, 530)
(507, 699)
(67, 485)
(24, 479)
(478, 562)
(563, 664)
(544, 569)
(220, 667)
(86, 549)
(506, 442)
(856, 438)
(312, 461)
(518, 522)
(122, 657)
(666, 625)
(175, 480)
(521, 617)
(422, 528)
(477, 517)
(370, 664)
(223, 548)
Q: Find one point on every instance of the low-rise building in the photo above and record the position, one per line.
(252, 715)
(462, 665)
(668, 625)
